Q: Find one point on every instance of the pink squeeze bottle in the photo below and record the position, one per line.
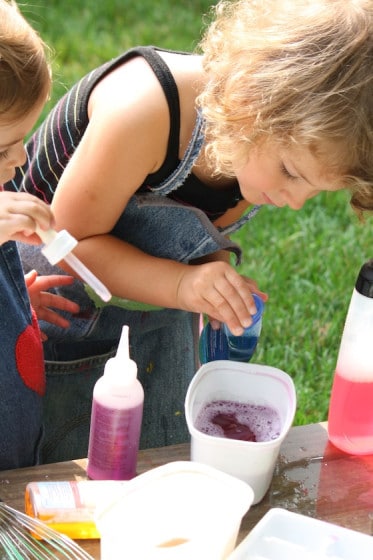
(350, 420)
(116, 418)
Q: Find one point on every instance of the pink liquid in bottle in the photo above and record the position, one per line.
(350, 419)
(114, 442)
(350, 422)
(116, 417)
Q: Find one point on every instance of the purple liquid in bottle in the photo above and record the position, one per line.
(114, 442)
(116, 418)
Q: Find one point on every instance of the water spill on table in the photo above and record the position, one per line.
(335, 487)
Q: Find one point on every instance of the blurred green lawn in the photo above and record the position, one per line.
(307, 261)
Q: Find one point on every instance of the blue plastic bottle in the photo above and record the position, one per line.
(221, 344)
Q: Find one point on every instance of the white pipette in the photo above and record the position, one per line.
(58, 246)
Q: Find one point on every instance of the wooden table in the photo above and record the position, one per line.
(311, 477)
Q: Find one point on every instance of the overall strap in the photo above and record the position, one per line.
(241, 221)
(178, 176)
(167, 81)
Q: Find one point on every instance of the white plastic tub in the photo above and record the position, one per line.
(180, 511)
(285, 535)
(252, 462)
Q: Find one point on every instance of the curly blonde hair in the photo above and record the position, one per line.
(25, 76)
(292, 71)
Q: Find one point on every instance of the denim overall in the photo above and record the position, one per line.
(22, 381)
(163, 342)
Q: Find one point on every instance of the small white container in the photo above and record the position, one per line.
(180, 511)
(285, 535)
(252, 462)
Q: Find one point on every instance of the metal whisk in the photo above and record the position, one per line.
(22, 538)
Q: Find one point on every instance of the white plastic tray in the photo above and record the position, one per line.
(285, 535)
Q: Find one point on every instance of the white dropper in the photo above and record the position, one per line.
(58, 246)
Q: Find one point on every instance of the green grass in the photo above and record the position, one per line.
(307, 261)
(86, 33)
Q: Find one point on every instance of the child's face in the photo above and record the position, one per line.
(12, 134)
(283, 177)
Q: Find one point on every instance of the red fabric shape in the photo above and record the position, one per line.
(30, 358)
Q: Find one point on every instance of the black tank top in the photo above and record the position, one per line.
(193, 192)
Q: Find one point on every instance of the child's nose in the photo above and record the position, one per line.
(297, 200)
(296, 204)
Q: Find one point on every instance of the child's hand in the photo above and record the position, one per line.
(20, 213)
(43, 301)
(218, 291)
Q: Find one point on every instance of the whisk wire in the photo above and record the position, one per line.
(22, 537)
(27, 543)
(16, 548)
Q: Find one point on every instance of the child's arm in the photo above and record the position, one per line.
(213, 288)
(125, 141)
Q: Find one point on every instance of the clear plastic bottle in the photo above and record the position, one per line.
(116, 418)
(221, 344)
(350, 419)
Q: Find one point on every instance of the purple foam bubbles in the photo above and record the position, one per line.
(237, 420)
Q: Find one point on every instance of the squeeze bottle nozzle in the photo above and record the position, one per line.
(121, 370)
(58, 247)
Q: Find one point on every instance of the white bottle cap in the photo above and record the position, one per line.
(57, 244)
